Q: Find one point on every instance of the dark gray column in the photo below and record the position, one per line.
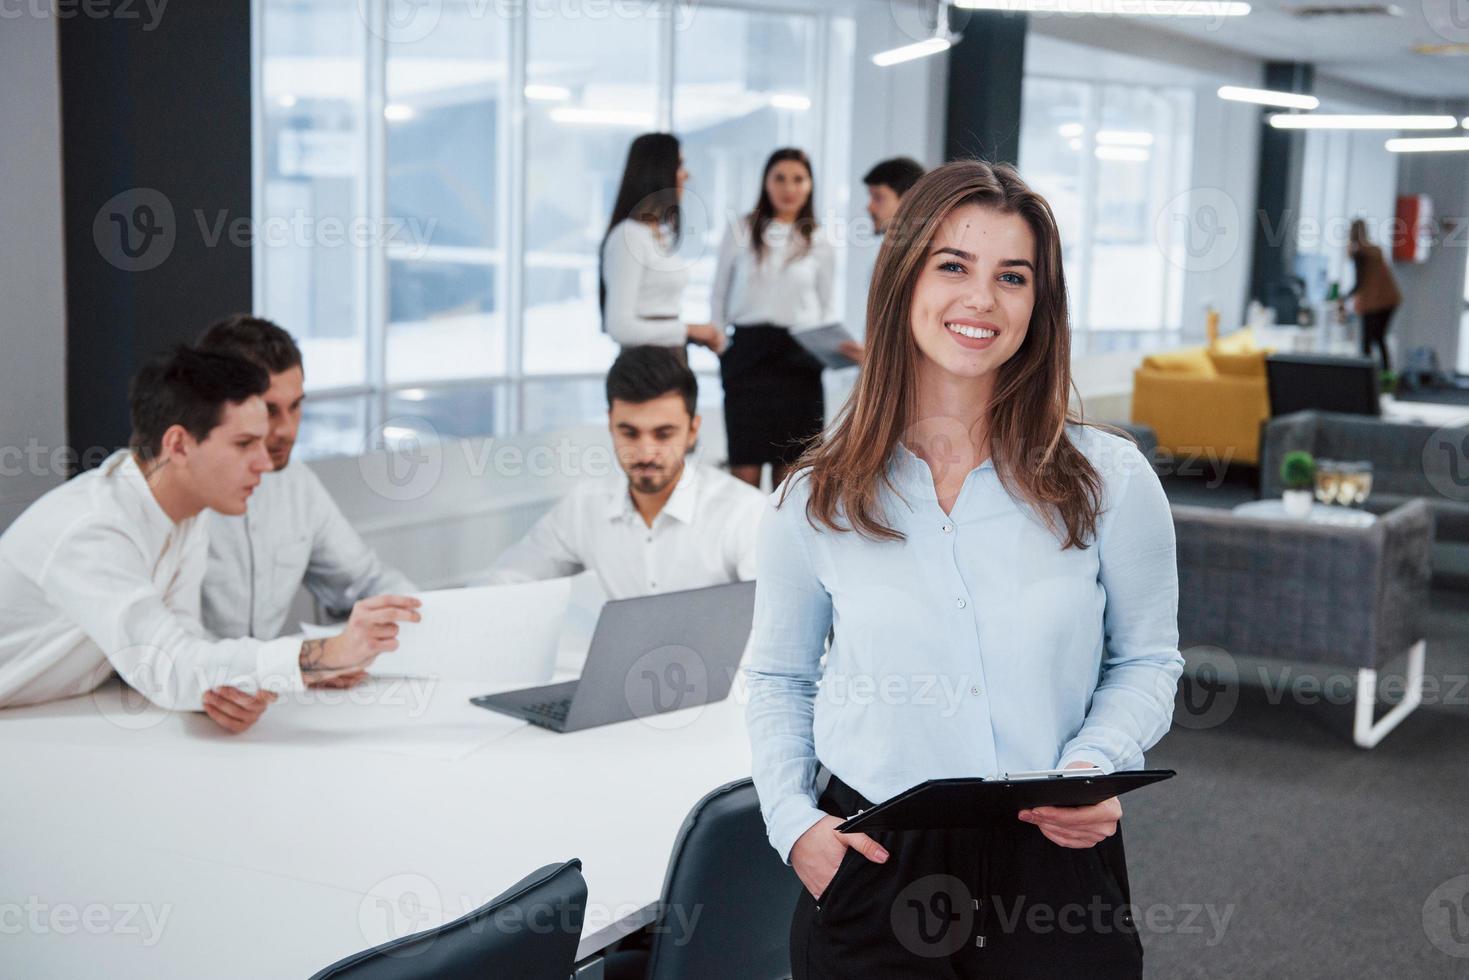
(155, 117)
(986, 69)
(1278, 195)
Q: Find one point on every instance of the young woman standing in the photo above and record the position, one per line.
(1000, 585)
(642, 280)
(774, 275)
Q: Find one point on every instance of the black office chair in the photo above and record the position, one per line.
(538, 942)
(723, 868)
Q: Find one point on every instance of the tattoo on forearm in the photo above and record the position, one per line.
(312, 653)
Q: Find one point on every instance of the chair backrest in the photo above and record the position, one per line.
(1332, 384)
(727, 899)
(530, 931)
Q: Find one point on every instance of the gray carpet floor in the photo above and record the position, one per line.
(1282, 850)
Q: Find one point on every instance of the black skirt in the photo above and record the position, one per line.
(773, 404)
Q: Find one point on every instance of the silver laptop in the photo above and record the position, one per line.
(649, 655)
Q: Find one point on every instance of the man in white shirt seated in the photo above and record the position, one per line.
(292, 533)
(103, 572)
(663, 524)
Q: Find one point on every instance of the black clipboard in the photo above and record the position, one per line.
(952, 804)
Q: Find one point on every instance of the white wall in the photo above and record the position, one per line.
(1433, 292)
(32, 285)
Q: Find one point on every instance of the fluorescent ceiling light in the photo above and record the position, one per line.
(1126, 154)
(287, 101)
(1430, 144)
(603, 117)
(1074, 142)
(789, 100)
(1264, 96)
(1465, 122)
(1072, 130)
(910, 52)
(396, 112)
(1116, 8)
(412, 394)
(547, 93)
(1123, 137)
(1343, 121)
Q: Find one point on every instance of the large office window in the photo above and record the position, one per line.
(1109, 158)
(472, 151)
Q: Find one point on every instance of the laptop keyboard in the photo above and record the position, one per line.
(554, 710)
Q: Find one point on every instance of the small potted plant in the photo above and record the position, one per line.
(1387, 381)
(1298, 475)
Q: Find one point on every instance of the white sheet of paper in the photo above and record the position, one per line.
(497, 635)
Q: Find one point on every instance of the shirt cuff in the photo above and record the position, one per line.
(788, 821)
(278, 666)
(1088, 755)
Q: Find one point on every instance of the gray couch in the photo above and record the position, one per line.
(1312, 593)
(1408, 460)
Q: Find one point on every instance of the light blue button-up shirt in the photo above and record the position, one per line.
(973, 647)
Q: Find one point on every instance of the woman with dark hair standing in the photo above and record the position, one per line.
(999, 583)
(1376, 291)
(774, 276)
(641, 279)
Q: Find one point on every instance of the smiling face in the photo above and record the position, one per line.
(974, 295)
(788, 185)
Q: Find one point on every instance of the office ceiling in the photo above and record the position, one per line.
(1372, 49)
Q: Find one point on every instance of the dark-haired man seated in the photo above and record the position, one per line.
(662, 524)
(103, 573)
(292, 533)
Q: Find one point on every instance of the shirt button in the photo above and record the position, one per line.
(947, 528)
(960, 603)
(974, 691)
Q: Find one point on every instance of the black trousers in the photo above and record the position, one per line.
(1374, 331)
(1001, 904)
(773, 402)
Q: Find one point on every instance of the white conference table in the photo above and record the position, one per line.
(147, 844)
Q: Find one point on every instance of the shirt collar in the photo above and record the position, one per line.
(909, 472)
(123, 467)
(682, 503)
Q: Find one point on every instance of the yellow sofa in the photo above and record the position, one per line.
(1206, 401)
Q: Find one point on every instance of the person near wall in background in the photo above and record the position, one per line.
(662, 524)
(641, 278)
(887, 182)
(292, 533)
(1375, 295)
(775, 275)
(960, 522)
(103, 573)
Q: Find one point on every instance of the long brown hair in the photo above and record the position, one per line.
(764, 212)
(1033, 456)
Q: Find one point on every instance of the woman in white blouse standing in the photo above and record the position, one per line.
(642, 280)
(774, 276)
